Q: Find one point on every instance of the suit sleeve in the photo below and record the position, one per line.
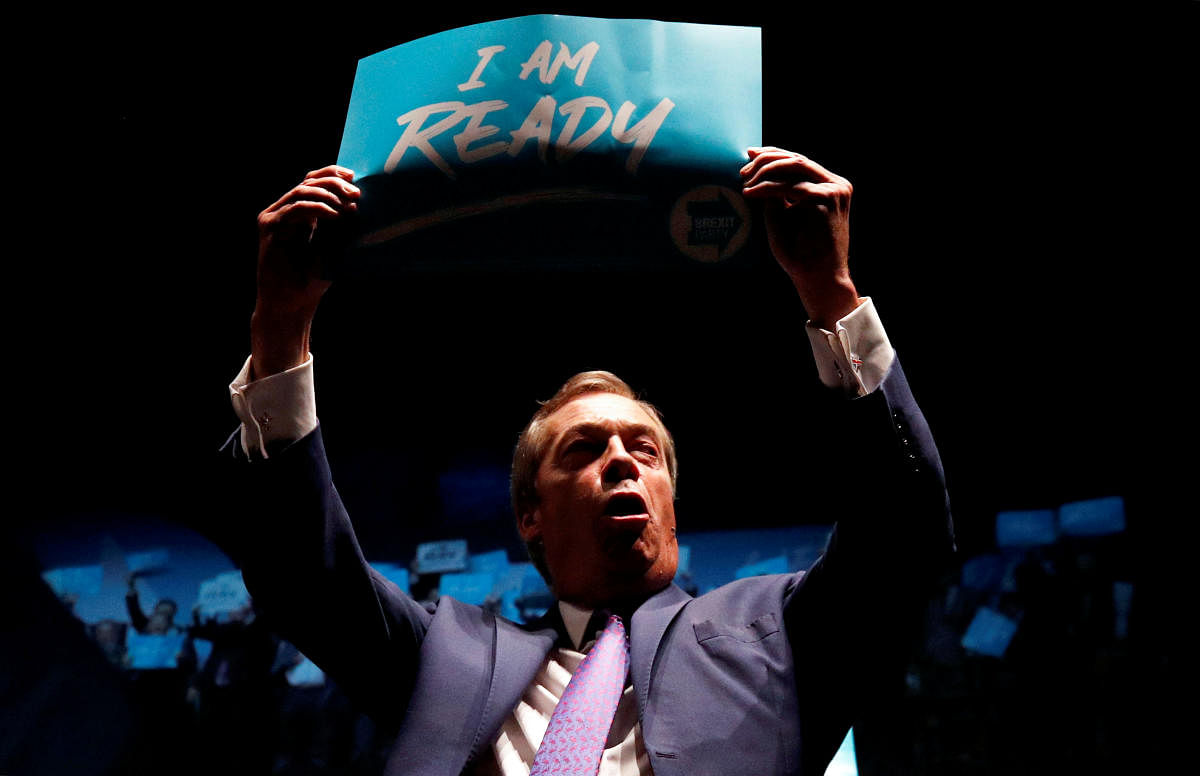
(292, 538)
(851, 617)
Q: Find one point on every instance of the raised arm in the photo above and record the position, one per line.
(286, 527)
(292, 258)
(849, 617)
(896, 501)
(807, 210)
(137, 618)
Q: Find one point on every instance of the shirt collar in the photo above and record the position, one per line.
(575, 619)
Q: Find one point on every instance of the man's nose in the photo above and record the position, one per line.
(618, 464)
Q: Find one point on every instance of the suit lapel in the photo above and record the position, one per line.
(521, 651)
(650, 622)
(519, 654)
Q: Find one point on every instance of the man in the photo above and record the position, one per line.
(160, 693)
(764, 675)
(161, 619)
(233, 693)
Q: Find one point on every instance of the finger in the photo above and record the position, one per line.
(789, 168)
(336, 184)
(754, 151)
(792, 193)
(304, 192)
(822, 172)
(332, 170)
(345, 190)
(767, 190)
(795, 190)
(303, 212)
(761, 156)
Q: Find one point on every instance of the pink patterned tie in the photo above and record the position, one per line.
(574, 740)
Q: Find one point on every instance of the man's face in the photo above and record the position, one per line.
(606, 509)
(107, 634)
(158, 623)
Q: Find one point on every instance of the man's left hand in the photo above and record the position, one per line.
(807, 211)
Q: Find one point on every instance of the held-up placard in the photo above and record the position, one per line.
(556, 137)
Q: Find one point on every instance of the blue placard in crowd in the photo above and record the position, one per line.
(440, 557)
(595, 119)
(471, 587)
(989, 633)
(394, 572)
(75, 580)
(1094, 517)
(305, 674)
(1025, 528)
(495, 562)
(222, 594)
(148, 561)
(520, 582)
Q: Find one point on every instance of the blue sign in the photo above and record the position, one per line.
(439, 557)
(395, 573)
(75, 580)
(1094, 517)
(569, 124)
(148, 561)
(1025, 528)
(305, 674)
(495, 562)
(470, 587)
(521, 583)
(989, 633)
(222, 594)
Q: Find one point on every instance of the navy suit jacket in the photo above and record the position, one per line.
(764, 675)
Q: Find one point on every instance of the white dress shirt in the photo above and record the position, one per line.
(854, 357)
(521, 734)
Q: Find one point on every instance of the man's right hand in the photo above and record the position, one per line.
(290, 264)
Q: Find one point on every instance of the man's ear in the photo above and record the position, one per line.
(530, 525)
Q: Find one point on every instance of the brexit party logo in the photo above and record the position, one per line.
(557, 136)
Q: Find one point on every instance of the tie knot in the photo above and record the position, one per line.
(615, 624)
(601, 621)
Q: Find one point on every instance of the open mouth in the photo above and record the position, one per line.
(626, 507)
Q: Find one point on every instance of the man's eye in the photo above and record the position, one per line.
(582, 446)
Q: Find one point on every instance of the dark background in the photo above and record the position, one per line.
(1018, 171)
(1010, 198)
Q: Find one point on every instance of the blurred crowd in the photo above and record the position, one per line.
(234, 698)
(1042, 655)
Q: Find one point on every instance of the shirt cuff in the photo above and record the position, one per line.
(856, 355)
(279, 407)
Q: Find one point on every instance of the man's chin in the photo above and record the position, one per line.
(629, 554)
(641, 575)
